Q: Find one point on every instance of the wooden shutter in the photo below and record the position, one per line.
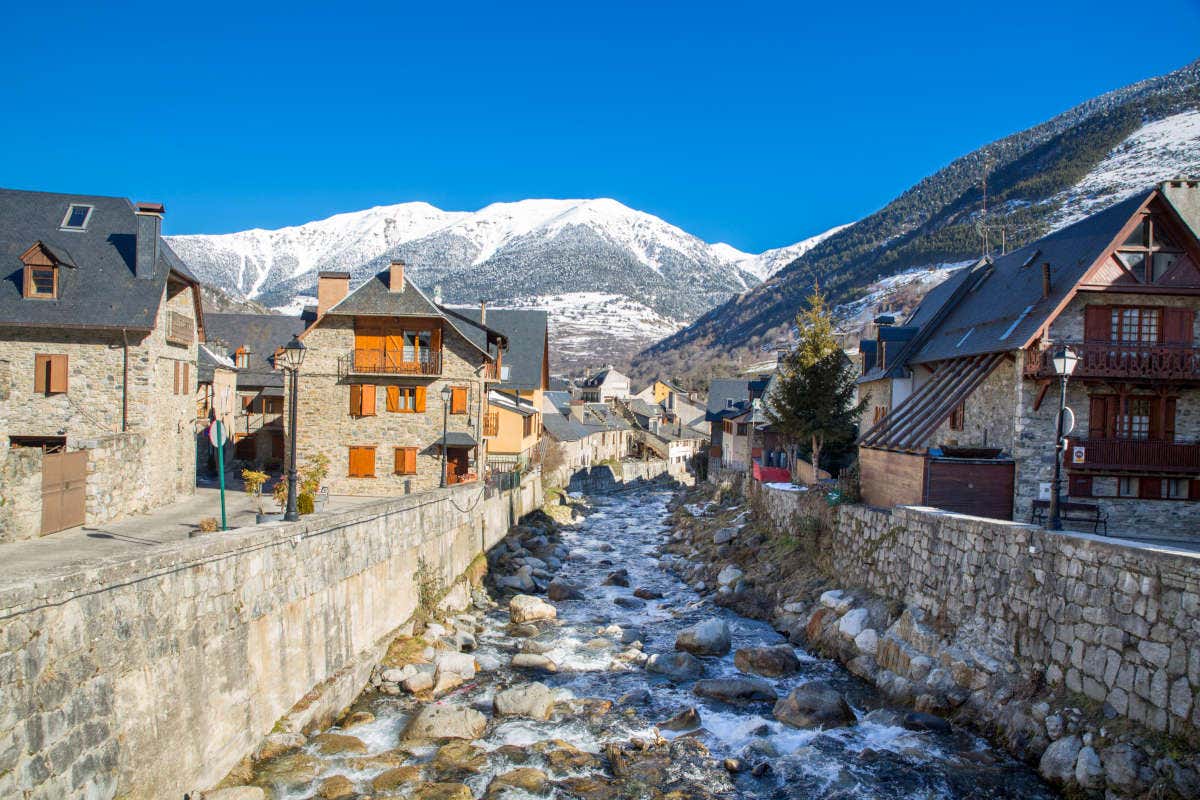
(175, 384)
(1098, 417)
(368, 400)
(41, 374)
(1079, 485)
(435, 341)
(1097, 323)
(419, 400)
(362, 462)
(1149, 488)
(393, 399)
(187, 378)
(1194, 490)
(406, 461)
(355, 401)
(58, 374)
(1177, 325)
(458, 400)
(1168, 422)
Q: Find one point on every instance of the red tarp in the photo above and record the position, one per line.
(772, 474)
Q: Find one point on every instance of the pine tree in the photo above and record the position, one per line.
(813, 397)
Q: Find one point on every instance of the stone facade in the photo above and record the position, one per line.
(159, 455)
(152, 675)
(326, 426)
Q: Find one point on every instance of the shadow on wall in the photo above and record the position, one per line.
(604, 478)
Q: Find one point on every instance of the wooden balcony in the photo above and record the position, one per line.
(1154, 362)
(491, 423)
(1134, 455)
(390, 362)
(491, 371)
(181, 329)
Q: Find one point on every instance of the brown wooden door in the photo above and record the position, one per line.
(64, 476)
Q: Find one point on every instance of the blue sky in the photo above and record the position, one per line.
(752, 123)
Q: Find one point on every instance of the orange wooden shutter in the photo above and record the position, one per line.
(458, 400)
(393, 398)
(41, 373)
(419, 400)
(187, 377)
(399, 465)
(410, 460)
(356, 400)
(362, 462)
(175, 385)
(368, 400)
(58, 374)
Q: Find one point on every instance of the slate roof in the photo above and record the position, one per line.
(739, 390)
(526, 332)
(261, 334)
(101, 290)
(642, 408)
(561, 400)
(597, 379)
(1001, 309)
(207, 363)
(511, 402)
(564, 429)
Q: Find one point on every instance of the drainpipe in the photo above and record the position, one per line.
(124, 381)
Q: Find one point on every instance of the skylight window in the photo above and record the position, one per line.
(77, 217)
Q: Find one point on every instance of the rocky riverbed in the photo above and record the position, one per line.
(590, 669)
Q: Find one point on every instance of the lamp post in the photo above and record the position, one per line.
(446, 394)
(1064, 360)
(291, 359)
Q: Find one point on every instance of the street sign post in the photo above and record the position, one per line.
(217, 434)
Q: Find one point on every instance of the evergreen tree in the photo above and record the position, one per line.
(813, 397)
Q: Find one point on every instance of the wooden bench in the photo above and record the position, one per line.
(1086, 513)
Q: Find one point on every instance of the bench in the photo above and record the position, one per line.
(1085, 513)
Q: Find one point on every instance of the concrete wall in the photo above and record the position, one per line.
(151, 676)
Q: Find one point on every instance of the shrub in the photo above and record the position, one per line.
(253, 481)
(304, 504)
(209, 525)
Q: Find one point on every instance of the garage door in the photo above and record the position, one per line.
(64, 476)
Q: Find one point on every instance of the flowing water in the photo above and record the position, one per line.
(875, 758)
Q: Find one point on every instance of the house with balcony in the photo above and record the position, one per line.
(393, 389)
(730, 402)
(512, 423)
(970, 399)
(99, 325)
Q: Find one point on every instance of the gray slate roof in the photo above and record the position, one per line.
(739, 390)
(261, 334)
(101, 290)
(564, 429)
(207, 363)
(526, 331)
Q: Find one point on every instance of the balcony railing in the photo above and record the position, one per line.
(180, 329)
(491, 423)
(1134, 455)
(257, 420)
(390, 362)
(1120, 360)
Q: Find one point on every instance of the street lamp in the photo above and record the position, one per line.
(290, 359)
(1064, 361)
(446, 393)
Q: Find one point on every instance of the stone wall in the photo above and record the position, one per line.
(152, 675)
(116, 476)
(20, 494)
(607, 478)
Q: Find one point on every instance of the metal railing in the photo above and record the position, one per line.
(1120, 360)
(1131, 455)
(390, 362)
(181, 329)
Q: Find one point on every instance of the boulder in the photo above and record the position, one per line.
(331, 744)
(527, 608)
(396, 778)
(458, 757)
(725, 535)
(336, 787)
(729, 575)
(867, 642)
(852, 623)
(443, 791)
(534, 661)
(1089, 773)
(460, 664)
(618, 577)
(1058, 762)
(1126, 769)
(236, 793)
(421, 680)
(534, 700)
(773, 662)
(918, 721)
(708, 638)
(523, 779)
(445, 721)
(563, 590)
(736, 690)
(815, 704)
(631, 603)
(276, 744)
(678, 667)
(647, 594)
(686, 720)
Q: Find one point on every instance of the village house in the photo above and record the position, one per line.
(967, 397)
(678, 404)
(586, 434)
(385, 370)
(512, 423)
(251, 341)
(216, 398)
(99, 323)
(603, 386)
(728, 412)
(661, 434)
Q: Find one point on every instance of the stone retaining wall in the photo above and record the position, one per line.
(152, 676)
(606, 478)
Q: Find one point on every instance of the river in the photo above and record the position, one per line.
(875, 758)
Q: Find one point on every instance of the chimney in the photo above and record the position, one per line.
(1045, 279)
(483, 312)
(577, 409)
(149, 229)
(332, 288)
(1184, 194)
(396, 276)
(437, 295)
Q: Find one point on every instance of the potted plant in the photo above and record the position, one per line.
(253, 482)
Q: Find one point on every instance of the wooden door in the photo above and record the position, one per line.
(64, 477)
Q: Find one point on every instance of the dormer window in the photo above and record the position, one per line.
(41, 282)
(42, 265)
(1149, 252)
(241, 358)
(76, 218)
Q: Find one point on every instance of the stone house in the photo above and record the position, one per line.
(970, 397)
(603, 386)
(512, 424)
(99, 324)
(385, 369)
(727, 412)
(586, 434)
(251, 341)
(216, 398)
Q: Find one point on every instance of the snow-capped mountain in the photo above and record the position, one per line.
(768, 262)
(531, 252)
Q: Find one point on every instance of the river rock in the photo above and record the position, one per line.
(919, 721)
(335, 787)
(443, 791)
(736, 690)
(867, 642)
(686, 720)
(523, 779)
(396, 778)
(815, 704)
(527, 608)
(729, 576)
(460, 664)
(563, 590)
(521, 581)
(1089, 773)
(852, 623)
(276, 744)
(637, 697)
(458, 757)
(773, 662)
(725, 535)
(331, 744)
(708, 638)
(534, 661)
(618, 577)
(291, 772)
(1058, 762)
(1126, 769)
(445, 721)
(647, 594)
(534, 700)
(678, 667)
(236, 793)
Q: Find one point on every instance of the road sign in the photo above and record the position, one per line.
(1078, 455)
(218, 434)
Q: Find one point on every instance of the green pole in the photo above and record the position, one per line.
(221, 469)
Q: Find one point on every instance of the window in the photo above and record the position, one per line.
(76, 218)
(1150, 251)
(50, 374)
(957, 416)
(743, 429)
(241, 358)
(41, 281)
(362, 462)
(879, 413)
(1127, 487)
(406, 461)
(1176, 488)
(387, 346)
(1135, 423)
(1135, 325)
(406, 399)
(527, 426)
(458, 399)
(362, 399)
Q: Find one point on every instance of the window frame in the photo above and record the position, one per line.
(958, 416)
(87, 217)
(31, 286)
